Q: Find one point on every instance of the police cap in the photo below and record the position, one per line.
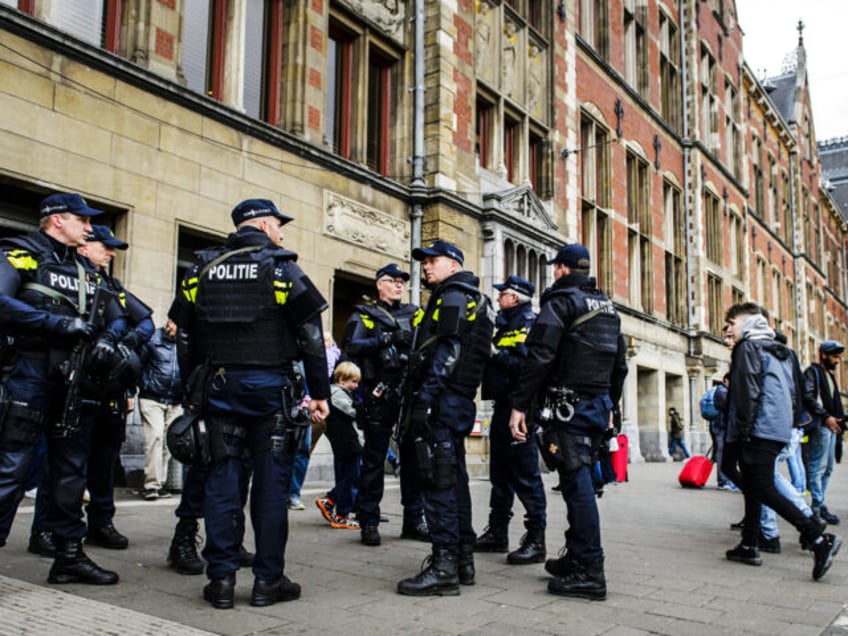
(439, 248)
(62, 202)
(575, 256)
(255, 208)
(392, 270)
(103, 234)
(517, 284)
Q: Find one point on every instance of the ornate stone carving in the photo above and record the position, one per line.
(367, 227)
(483, 40)
(387, 14)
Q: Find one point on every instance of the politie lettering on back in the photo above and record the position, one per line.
(69, 283)
(234, 271)
(594, 303)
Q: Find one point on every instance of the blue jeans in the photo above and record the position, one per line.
(301, 464)
(822, 449)
(768, 518)
(674, 443)
(795, 463)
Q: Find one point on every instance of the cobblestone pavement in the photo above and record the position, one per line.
(665, 567)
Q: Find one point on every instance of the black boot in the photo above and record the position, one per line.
(415, 529)
(73, 566)
(465, 564)
(269, 592)
(437, 578)
(532, 548)
(221, 592)
(183, 556)
(245, 558)
(561, 566)
(493, 539)
(106, 537)
(41, 542)
(584, 581)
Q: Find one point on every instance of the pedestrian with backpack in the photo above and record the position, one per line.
(713, 405)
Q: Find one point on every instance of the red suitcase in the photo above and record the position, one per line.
(695, 472)
(619, 459)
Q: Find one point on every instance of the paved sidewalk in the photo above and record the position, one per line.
(666, 574)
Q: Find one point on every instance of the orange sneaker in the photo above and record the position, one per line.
(348, 522)
(327, 508)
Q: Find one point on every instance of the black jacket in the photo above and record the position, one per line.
(160, 377)
(818, 399)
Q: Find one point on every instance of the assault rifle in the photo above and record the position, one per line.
(73, 367)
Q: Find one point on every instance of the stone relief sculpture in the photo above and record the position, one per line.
(535, 82)
(508, 60)
(355, 223)
(482, 40)
(388, 14)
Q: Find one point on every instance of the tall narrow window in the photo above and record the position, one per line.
(483, 131)
(670, 72)
(338, 108)
(675, 268)
(204, 46)
(511, 133)
(536, 159)
(636, 45)
(715, 304)
(759, 181)
(263, 61)
(379, 113)
(594, 25)
(709, 101)
(81, 18)
(640, 235)
(714, 238)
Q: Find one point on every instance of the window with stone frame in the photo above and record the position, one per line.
(513, 94)
(596, 196)
(731, 128)
(790, 305)
(639, 235)
(738, 245)
(525, 261)
(675, 254)
(757, 176)
(636, 45)
(361, 98)
(670, 96)
(777, 288)
(773, 191)
(786, 229)
(204, 46)
(594, 25)
(762, 281)
(709, 101)
(713, 227)
(737, 296)
(715, 304)
(263, 60)
(97, 22)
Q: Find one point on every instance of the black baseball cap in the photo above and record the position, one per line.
(255, 208)
(103, 234)
(62, 202)
(517, 284)
(439, 248)
(392, 270)
(575, 256)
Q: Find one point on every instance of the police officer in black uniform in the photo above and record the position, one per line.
(377, 338)
(46, 296)
(514, 466)
(451, 344)
(576, 367)
(246, 312)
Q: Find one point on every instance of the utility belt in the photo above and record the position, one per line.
(19, 423)
(558, 404)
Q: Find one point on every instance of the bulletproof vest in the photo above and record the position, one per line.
(474, 332)
(38, 265)
(239, 308)
(588, 351)
(375, 320)
(512, 329)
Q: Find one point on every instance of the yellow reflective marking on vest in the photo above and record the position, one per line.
(190, 289)
(512, 338)
(367, 321)
(281, 291)
(471, 311)
(21, 259)
(417, 317)
(122, 298)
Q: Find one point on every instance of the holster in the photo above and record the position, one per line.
(19, 423)
(561, 450)
(198, 385)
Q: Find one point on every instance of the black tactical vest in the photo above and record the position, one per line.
(239, 309)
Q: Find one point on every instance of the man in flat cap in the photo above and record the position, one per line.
(245, 313)
(575, 369)
(452, 341)
(514, 466)
(47, 291)
(377, 338)
(822, 401)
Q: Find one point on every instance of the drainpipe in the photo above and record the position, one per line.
(418, 186)
(800, 290)
(684, 78)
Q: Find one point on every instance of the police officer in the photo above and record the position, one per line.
(377, 338)
(246, 312)
(451, 344)
(104, 404)
(576, 366)
(514, 466)
(46, 289)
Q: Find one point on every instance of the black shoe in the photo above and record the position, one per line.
(182, 555)
(739, 525)
(416, 531)
(221, 592)
(771, 546)
(245, 558)
(584, 581)
(107, 537)
(493, 539)
(822, 525)
(823, 553)
(438, 576)
(41, 542)
(532, 548)
(561, 566)
(72, 565)
(269, 592)
(465, 565)
(369, 535)
(828, 517)
(744, 554)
